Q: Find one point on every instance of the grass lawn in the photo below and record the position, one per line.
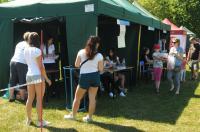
(141, 110)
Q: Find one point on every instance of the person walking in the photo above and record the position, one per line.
(194, 58)
(157, 66)
(176, 52)
(90, 63)
(18, 68)
(35, 78)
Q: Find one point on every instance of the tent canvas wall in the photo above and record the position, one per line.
(189, 34)
(176, 32)
(81, 21)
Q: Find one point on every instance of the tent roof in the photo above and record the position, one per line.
(120, 9)
(173, 26)
(189, 32)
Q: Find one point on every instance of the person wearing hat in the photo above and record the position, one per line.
(177, 52)
(157, 66)
(194, 58)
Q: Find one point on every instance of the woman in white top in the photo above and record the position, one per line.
(49, 53)
(35, 76)
(90, 63)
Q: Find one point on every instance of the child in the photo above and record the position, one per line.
(183, 68)
(157, 66)
(147, 62)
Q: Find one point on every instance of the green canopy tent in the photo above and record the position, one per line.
(81, 20)
(152, 35)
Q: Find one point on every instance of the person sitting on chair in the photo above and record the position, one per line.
(119, 78)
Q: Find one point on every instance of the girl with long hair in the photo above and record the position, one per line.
(90, 63)
(36, 77)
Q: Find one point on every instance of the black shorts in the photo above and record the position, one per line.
(18, 73)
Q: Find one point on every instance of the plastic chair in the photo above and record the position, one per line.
(142, 69)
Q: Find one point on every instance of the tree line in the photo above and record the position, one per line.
(180, 12)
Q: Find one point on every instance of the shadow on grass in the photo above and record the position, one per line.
(143, 104)
(116, 128)
(55, 129)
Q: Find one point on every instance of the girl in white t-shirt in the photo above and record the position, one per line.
(90, 63)
(35, 77)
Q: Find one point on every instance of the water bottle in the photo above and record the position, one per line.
(123, 62)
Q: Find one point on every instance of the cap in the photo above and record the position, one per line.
(156, 46)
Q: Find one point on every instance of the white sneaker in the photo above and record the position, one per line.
(122, 94)
(172, 88)
(43, 123)
(177, 92)
(87, 119)
(28, 122)
(69, 117)
(111, 94)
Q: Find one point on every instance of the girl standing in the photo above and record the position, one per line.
(157, 66)
(90, 63)
(35, 77)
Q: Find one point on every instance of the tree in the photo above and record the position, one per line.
(180, 12)
(1, 1)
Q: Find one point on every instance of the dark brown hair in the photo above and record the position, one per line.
(91, 46)
(34, 40)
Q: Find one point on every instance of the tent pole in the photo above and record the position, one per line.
(138, 55)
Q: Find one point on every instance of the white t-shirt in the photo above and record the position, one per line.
(19, 52)
(31, 53)
(91, 65)
(51, 51)
(157, 63)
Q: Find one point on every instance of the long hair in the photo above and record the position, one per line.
(91, 46)
(34, 40)
(114, 56)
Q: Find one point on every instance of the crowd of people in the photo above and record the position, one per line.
(30, 61)
(176, 61)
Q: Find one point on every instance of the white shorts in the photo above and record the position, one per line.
(34, 79)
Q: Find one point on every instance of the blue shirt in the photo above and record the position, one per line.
(178, 62)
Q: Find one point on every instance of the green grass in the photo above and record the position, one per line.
(141, 110)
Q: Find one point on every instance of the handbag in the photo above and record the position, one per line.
(177, 69)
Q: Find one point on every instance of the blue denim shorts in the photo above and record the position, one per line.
(89, 80)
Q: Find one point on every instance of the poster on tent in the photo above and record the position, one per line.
(182, 39)
(121, 37)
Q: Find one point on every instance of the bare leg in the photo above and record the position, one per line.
(122, 78)
(40, 90)
(31, 96)
(92, 100)
(78, 96)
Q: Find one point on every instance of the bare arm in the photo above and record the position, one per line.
(179, 56)
(100, 66)
(148, 60)
(78, 61)
(42, 69)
